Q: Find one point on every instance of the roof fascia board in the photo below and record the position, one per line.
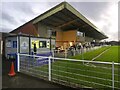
(50, 12)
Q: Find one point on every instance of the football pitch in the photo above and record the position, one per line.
(92, 75)
(111, 54)
(80, 74)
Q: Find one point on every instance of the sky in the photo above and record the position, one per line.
(104, 15)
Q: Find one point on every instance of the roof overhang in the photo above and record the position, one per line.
(64, 16)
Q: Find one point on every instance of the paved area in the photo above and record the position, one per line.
(25, 81)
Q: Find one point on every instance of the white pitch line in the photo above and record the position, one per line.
(98, 56)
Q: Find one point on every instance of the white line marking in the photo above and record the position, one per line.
(97, 57)
(100, 54)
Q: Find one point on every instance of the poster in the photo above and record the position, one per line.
(24, 44)
(9, 44)
(35, 42)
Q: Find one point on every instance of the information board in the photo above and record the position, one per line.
(24, 44)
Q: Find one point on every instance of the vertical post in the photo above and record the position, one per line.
(17, 43)
(50, 44)
(113, 75)
(49, 35)
(65, 53)
(18, 62)
(53, 55)
(82, 51)
(49, 68)
(74, 52)
(29, 45)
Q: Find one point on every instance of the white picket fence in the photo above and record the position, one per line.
(71, 72)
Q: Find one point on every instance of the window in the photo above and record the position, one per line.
(53, 33)
(80, 33)
(14, 44)
(42, 44)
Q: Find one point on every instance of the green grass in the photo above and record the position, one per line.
(76, 73)
(110, 55)
(91, 54)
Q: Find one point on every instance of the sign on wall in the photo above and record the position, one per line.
(35, 42)
(24, 44)
(9, 44)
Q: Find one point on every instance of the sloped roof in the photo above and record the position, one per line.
(66, 17)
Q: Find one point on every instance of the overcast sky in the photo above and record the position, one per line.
(102, 14)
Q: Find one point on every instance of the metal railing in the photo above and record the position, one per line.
(68, 53)
(71, 72)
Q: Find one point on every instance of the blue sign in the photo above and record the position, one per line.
(14, 44)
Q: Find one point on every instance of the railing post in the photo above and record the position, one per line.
(65, 53)
(18, 62)
(49, 68)
(74, 52)
(53, 55)
(113, 75)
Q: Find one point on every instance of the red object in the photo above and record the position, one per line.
(12, 72)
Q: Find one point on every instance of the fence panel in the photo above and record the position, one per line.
(34, 66)
(71, 72)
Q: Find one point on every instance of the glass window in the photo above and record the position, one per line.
(53, 33)
(42, 44)
(14, 44)
(79, 33)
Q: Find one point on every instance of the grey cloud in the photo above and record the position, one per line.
(5, 29)
(23, 7)
(53, 3)
(10, 12)
(90, 9)
(7, 17)
(106, 29)
(23, 21)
